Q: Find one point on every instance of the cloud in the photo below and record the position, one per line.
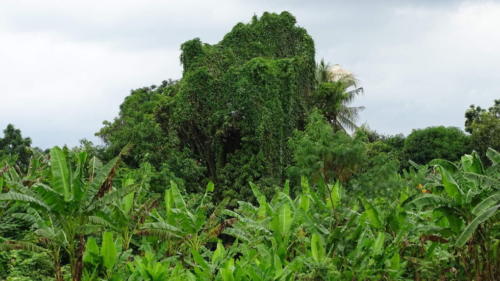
(59, 91)
(67, 65)
(445, 62)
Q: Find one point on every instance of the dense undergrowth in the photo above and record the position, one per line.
(71, 215)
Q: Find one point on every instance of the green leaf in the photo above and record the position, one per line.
(378, 245)
(177, 196)
(219, 253)
(304, 183)
(395, 262)
(472, 164)
(282, 220)
(486, 203)
(471, 228)
(60, 173)
(261, 199)
(427, 200)
(226, 272)
(91, 254)
(493, 155)
(286, 187)
(372, 215)
(304, 202)
(15, 196)
(103, 174)
(335, 196)
(318, 251)
(210, 187)
(128, 202)
(169, 202)
(108, 251)
(450, 185)
(199, 259)
(278, 267)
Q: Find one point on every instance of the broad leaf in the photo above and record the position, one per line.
(318, 251)
(471, 228)
(108, 251)
(61, 180)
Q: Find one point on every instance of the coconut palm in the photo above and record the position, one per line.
(335, 90)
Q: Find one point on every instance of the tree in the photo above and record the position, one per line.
(474, 113)
(486, 133)
(322, 154)
(15, 146)
(136, 125)
(335, 90)
(423, 145)
(240, 100)
(484, 126)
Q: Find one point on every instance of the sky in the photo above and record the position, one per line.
(66, 66)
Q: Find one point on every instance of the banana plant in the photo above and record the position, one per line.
(102, 262)
(126, 215)
(61, 205)
(185, 227)
(148, 268)
(463, 199)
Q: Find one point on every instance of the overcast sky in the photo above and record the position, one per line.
(65, 66)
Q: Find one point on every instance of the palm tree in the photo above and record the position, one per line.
(335, 90)
(64, 209)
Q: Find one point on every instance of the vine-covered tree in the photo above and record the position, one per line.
(239, 101)
(231, 115)
(137, 125)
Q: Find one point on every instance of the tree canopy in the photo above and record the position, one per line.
(14, 146)
(423, 145)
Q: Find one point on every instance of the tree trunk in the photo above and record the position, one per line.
(77, 263)
(57, 266)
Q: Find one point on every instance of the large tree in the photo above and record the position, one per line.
(241, 99)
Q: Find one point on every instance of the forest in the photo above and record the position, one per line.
(252, 166)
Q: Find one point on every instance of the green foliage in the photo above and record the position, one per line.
(447, 211)
(423, 145)
(485, 128)
(60, 206)
(20, 265)
(378, 174)
(336, 88)
(240, 100)
(461, 201)
(476, 113)
(322, 154)
(13, 145)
